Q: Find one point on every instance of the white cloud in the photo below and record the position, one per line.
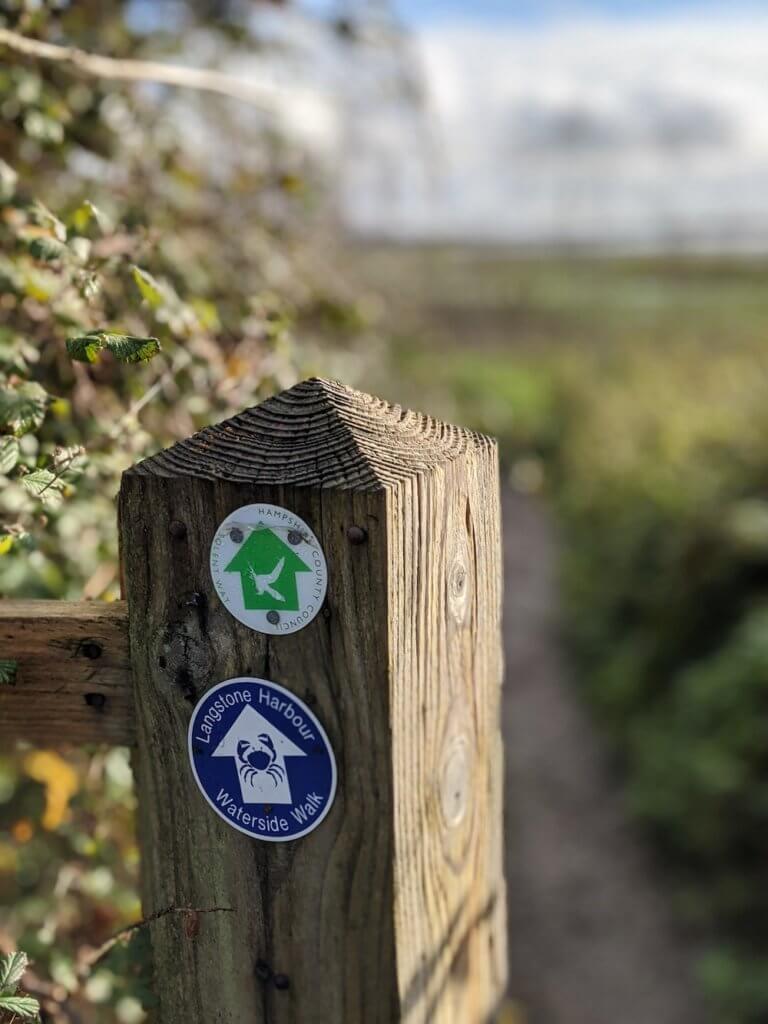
(640, 133)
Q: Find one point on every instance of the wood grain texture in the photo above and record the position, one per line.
(73, 680)
(393, 908)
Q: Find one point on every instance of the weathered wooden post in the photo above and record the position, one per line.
(393, 908)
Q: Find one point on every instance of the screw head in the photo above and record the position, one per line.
(294, 537)
(263, 971)
(236, 535)
(357, 535)
(273, 617)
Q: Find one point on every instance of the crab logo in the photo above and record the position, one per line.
(259, 751)
(259, 757)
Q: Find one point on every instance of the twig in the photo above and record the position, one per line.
(125, 933)
(180, 361)
(97, 66)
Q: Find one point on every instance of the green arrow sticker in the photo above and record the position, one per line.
(268, 568)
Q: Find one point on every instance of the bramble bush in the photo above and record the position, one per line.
(148, 287)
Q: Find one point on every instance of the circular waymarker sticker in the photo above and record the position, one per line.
(269, 569)
(262, 759)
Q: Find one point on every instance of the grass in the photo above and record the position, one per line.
(494, 340)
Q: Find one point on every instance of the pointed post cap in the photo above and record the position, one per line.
(319, 433)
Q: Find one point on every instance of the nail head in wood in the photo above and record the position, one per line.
(263, 971)
(177, 530)
(357, 535)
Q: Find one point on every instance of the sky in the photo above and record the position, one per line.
(632, 125)
(628, 124)
(419, 12)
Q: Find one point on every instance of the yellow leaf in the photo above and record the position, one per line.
(60, 781)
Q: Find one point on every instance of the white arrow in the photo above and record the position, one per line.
(259, 750)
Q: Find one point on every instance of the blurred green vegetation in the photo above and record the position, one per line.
(149, 285)
(634, 395)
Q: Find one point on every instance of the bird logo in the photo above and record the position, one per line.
(269, 567)
(263, 584)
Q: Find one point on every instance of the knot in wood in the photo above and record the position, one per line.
(455, 780)
(459, 585)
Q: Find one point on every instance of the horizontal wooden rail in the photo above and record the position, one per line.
(73, 681)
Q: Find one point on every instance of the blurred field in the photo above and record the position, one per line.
(508, 329)
(631, 395)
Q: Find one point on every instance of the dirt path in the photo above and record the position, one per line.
(591, 941)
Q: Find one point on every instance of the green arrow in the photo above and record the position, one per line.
(268, 569)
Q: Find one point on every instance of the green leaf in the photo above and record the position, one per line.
(23, 408)
(24, 1007)
(42, 481)
(8, 669)
(150, 289)
(40, 214)
(85, 348)
(13, 965)
(8, 179)
(128, 349)
(9, 454)
(47, 249)
(124, 347)
(85, 213)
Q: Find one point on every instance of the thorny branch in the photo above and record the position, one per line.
(125, 933)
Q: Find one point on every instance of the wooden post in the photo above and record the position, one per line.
(393, 909)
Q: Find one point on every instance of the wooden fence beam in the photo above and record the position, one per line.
(393, 908)
(72, 683)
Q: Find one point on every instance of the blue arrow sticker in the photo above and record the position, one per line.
(262, 759)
